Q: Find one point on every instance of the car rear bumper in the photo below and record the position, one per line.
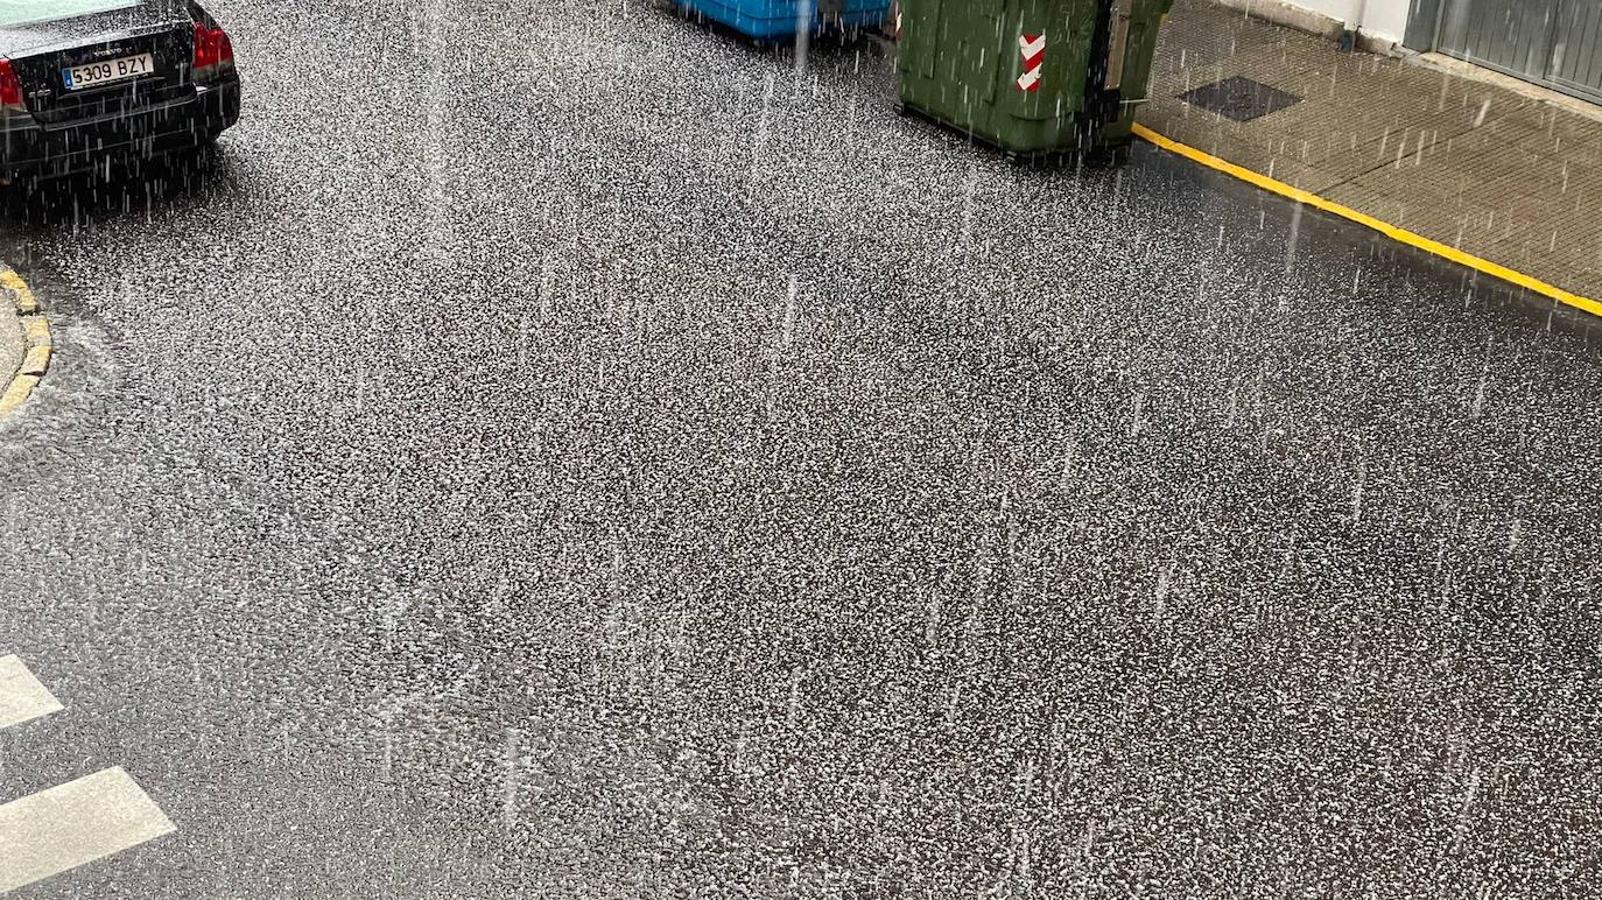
(28, 148)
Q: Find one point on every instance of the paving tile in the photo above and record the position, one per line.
(1368, 106)
(1449, 168)
(1456, 222)
(1566, 136)
(1257, 149)
(1553, 189)
(1529, 112)
(1561, 239)
(1268, 65)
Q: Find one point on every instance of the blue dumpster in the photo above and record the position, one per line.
(773, 19)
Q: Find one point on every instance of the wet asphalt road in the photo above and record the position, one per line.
(564, 453)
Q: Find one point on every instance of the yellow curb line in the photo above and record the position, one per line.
(36, 331)
(1402, 235)
(11, 281)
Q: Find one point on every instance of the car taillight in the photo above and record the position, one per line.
(212, 48)
(10, 86)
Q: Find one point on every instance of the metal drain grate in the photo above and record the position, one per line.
(1240, 98)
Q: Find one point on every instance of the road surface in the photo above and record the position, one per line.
(556, 451)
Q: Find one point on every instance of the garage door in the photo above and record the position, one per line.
(1577, 49)
(1553, 42)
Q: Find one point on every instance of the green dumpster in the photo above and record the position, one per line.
(1125, 77)
(1033, 77)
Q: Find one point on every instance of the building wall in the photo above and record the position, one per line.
(1384, 19)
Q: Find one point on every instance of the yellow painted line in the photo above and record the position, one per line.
(17, 393)
(37, 362)
(20, 293)
(1395, 233)
(36, 333)
(36, 330)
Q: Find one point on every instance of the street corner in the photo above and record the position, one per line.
(1481, 170)
(25, 345)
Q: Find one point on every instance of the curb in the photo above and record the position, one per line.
(1395, 233)
(35, 331)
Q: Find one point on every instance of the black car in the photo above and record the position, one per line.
(85, 80)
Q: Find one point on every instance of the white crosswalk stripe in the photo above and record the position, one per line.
(22, 697)
(64, 827)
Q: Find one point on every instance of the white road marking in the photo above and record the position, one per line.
(22, 697)
(64, 827)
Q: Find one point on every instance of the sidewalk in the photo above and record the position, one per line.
(1476, 166)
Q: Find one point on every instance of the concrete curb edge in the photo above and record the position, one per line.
(36, 333)
(1395, 233)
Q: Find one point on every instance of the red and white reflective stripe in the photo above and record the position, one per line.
(1033, 49)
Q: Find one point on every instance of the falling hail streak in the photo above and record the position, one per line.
(967, 204)
(795, 698)
(1479, 394)
(1067, 464)
(789, 315)
(1164, 584)
(1295, 236)
(762, 128)
(803, 33)
(1357, 493)
(1469, 794)
(509, 795)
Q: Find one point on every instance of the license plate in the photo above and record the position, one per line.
(91, 74)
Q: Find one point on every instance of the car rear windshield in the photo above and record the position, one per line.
(24, 12)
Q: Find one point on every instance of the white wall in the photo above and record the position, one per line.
(1385, 19)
